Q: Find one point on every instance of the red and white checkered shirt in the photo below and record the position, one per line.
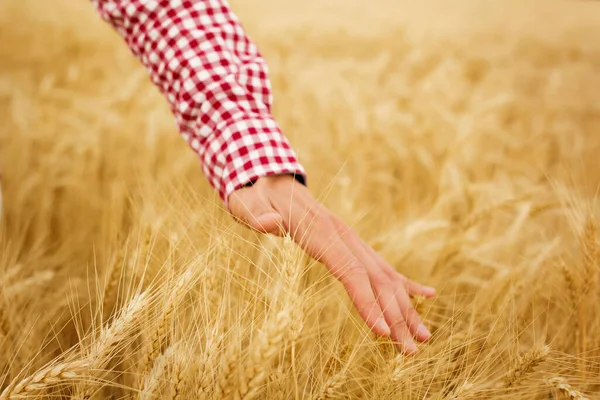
(216, 81)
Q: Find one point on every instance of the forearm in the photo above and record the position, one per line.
(216, 82)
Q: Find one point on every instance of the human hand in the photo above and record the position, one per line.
(279, 205)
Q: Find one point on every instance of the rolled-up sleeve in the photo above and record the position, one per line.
(216, 81)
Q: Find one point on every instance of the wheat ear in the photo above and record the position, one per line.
(331, 388)
(263, 351)
(103, 348)
(152, 381)
(563, 387)
(175, 298)
(463, 391)
(526, 365)
(179, 370)
(45, 378)
(226, 376)
(293, 300)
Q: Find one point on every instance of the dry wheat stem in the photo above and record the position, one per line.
(112, 284)
(590, 255)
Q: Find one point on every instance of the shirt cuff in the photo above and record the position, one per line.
(245, 149)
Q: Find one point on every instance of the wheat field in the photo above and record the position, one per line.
(460, 139)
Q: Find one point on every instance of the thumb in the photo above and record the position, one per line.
(252, 206)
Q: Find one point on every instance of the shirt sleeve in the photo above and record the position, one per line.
(216, 82)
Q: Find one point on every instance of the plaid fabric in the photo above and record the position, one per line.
(216, 81)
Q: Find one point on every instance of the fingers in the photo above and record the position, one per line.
(404, 289)
(318, 236)
(395, 316)
(400, 315)
(357, 285)
(415, 289)
(413, 320)
(347, 269)
(379, 293)
(385, 291)
(393, 292)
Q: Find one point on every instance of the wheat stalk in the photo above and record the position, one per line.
(19, 287)
(291, 272)
(206, 364)
(571, 285)
(112, 283)
(590, 255)
(5, 325)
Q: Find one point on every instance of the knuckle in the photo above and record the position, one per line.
(400, 287)
(313, 212)
(380, 279)
(411, 284)
(413, 316)
(340, 224)
(411, 312)
(311, 220)
(388, 285)
(401, 282)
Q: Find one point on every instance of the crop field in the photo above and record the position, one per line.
(460, 139)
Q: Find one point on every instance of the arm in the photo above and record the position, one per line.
(216, 82)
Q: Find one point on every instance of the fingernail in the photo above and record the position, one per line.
(383, 327)
(423, 332)
(429, 289)
(408, 347)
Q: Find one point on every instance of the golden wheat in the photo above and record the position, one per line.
(459, 140)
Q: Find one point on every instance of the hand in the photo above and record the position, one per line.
(279, 205)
